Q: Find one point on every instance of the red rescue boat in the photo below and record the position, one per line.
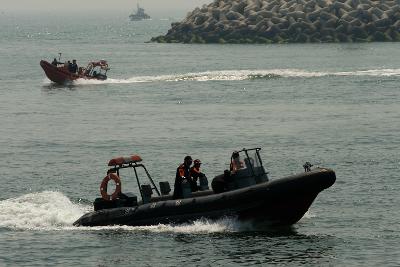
(59, 73)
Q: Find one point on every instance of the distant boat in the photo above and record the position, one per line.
(139, 15)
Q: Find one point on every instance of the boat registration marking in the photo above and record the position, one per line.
(153, 205)
(178, 202)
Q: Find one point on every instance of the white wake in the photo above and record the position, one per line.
(54, 211)
(240, 75)
(40, 211)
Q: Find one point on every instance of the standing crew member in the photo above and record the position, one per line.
(182, 173)
(74, 66)
(68, 65)
(55, 62)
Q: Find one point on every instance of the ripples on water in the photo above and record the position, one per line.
(332, 104)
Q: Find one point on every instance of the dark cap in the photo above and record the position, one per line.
(197, 161)
(188, 158)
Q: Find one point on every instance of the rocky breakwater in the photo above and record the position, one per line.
(281, 21)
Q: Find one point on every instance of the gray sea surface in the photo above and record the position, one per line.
(335, 105)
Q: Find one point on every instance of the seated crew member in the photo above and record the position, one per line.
(195, 174)
(182, 173)
(236, 163)
(80, 70)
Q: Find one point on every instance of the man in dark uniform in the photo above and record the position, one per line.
(182, 173)
(74, 66)
(55, 62)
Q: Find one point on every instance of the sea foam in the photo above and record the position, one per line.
(46, 210)
(53, 211)
(240, 75)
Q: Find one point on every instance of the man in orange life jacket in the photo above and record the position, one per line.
(182, 173)
(195, 174)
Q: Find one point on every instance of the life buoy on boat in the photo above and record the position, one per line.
(104, 184)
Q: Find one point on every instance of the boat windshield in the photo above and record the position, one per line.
(246, 159)
(254, 159)
(94, 69)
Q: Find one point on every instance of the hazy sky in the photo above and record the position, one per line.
(153, 7)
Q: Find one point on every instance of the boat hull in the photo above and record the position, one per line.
(279, 202)
(61, 75)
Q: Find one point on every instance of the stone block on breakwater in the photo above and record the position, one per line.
(285, 21)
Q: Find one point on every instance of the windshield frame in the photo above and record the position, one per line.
(244, 154)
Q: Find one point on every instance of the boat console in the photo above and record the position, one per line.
(246, 169)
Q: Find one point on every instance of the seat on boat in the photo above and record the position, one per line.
(165, 188)
(147, 191)
(124, 200)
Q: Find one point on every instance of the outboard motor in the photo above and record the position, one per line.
(146, 193)
(165, 188)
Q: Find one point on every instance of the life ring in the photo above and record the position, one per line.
(103, 187)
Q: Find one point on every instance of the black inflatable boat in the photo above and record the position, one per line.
(245, 193)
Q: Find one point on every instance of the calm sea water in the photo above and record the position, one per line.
(335, 105)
